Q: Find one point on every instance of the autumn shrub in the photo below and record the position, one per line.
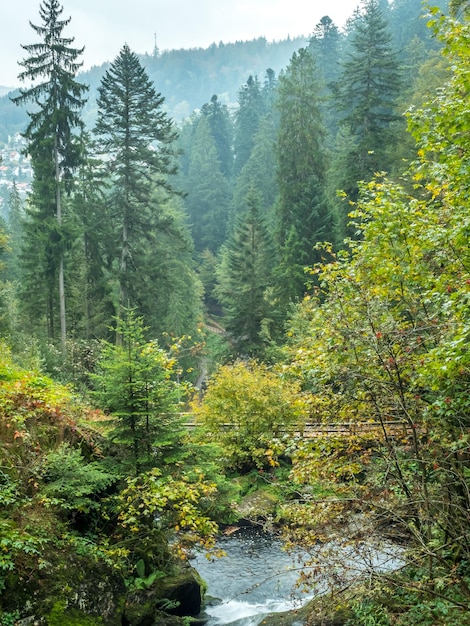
(251, 411)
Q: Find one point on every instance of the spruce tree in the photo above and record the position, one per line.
(303, 215)
(325, 46)
(247, 119)
(134, 383)
(245, 276)
(135, 136)
(366, 93)
(222, 131)
(260, 172)
(208, 191)
(15, 233)
(94, 251)
(58, 99)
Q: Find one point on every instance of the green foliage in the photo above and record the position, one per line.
(136, 385)
(208, 189)
(368, 614)
(259, 172)
(154, 508)
(221, 128)
(251, 412)
(366, 92)
(303, 217)
(55, 155)
(9, 618)
(141, 581)
(385, 343)
(245, 276)
(60, 615)
(251, 108)
(71, 483)
(147, 237)
(66, 502)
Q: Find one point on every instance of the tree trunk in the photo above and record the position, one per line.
(63, 328)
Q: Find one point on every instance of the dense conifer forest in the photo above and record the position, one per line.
(207, 266)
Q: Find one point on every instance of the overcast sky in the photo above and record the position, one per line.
(103, 26)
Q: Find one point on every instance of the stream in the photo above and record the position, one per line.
(257, 578)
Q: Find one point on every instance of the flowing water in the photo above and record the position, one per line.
(256, 577)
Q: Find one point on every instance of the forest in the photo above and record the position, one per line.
(183, 298)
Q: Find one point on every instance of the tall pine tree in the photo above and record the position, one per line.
(208, 190)
(303, 216)
(247, 119)
(222, 131)
(245, 276)
(135, 136)
(366, 93)
(58, 99)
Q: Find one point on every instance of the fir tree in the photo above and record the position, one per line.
(55, 154)
(15, 233)
(208, 191)
(303, 215)
(245, 275)
(247, 120)
(221, 127)
(136, 137)
(366, 93)
(260, 172)
(135, 385)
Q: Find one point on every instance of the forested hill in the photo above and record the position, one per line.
(186, 78)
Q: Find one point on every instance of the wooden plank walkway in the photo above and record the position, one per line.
(312, 430)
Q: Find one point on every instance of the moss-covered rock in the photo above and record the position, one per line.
(319, 612)
(177, 595)
(258, 505)
(69, 591)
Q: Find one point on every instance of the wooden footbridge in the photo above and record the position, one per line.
(394, 429)
(312, 430)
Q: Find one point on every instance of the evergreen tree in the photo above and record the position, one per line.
(245, 275)
(208, 191)
(55, 154)
(260, 172)
(221, 127)
(247, 119)
(15, 233)
(366, 93)
(325, 46)
(170, 293)
(302, 212)
(135, 385)
(94, 251)
(136, 137)
(4, 317)
(407, 23)
(269, 90)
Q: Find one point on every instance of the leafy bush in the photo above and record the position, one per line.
(251, 412)
(71, 483)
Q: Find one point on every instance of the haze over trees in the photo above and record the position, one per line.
(295, 249)
(145, 187)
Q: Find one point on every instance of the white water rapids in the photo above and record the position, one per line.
(257, 577)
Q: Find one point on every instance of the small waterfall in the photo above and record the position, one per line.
(256, 578)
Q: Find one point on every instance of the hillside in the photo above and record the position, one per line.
(186, 78)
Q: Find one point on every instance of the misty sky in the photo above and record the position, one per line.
(103, 26)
